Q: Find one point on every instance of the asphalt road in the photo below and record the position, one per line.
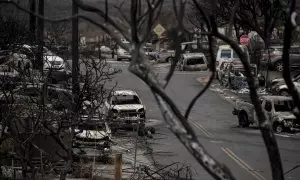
(242, 150)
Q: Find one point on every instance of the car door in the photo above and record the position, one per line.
(263, 105)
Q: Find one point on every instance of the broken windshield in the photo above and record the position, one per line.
(125, 99)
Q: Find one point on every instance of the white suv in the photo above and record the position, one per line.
(123, 54)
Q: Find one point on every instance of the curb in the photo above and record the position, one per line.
(204, 80)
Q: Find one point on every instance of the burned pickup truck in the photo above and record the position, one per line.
(278, 110)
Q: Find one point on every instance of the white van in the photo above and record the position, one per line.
(227, 54)
(122, 53)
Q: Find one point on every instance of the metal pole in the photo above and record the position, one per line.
(118, 167)
(267, 68)
(32, 20)
(136, 142)
(40, 35)
(75, 39)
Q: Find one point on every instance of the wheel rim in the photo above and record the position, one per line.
(279, 66)
(279, 128)
(284, 93)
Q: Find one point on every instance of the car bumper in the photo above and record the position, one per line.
(103, 146)
(54, 68)
(125, 123)
(90, 143)
(124, 56)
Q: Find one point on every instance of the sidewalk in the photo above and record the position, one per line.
(226, 94)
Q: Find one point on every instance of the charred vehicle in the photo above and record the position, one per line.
(279, 110)
(93, 134)
(192, 62)
(278, 86)
(125, 110)
(166, 55)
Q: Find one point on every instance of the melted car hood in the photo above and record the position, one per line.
(128, 107)
(92, 134)
(285, 115)
(53, 58)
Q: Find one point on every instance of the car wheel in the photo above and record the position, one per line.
(243, 120)
(278, 127)
(141, 132)
(169, 59)
(181, 68)
(279, 66)
(178, 68)
(152, 130)
(284, 93)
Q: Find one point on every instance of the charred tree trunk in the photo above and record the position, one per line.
(32, 20)
(40, 36)
(75, 44)
(75, 88)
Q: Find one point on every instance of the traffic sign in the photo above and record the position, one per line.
(244, 39)
(159, 30)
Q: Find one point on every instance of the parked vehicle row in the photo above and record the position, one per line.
(123, 110)
(162, 56)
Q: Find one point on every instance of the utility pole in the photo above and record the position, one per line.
(75, 39)
(40, 36)
(32, 20)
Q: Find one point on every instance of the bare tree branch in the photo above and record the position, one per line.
(102, 14)
(179, 33)
(290, 25)
(264, 123)
(214, 168)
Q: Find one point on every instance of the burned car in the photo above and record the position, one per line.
(279, 110)
(278, 86)
(93, 134)
(125, 110)
(192, 62)
(232, 75)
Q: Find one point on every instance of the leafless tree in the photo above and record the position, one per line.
(37, 105)
(140, 22)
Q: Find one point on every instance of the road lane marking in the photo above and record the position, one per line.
(217, 142)
(201, 128)
(282, 135)
(247, 165)
(243, 164)
(240, 164)
(177, 72)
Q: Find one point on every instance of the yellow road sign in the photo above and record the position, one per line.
(159, 30)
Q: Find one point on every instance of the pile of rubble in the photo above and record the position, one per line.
(232, 76)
